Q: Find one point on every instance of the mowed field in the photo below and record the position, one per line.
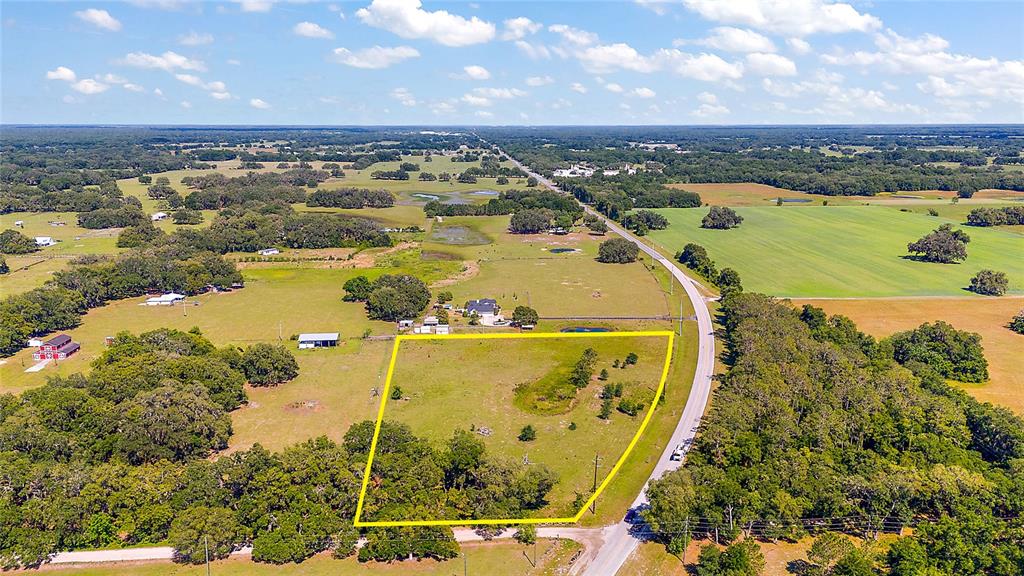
(449, 385)
(837, 251)
(498, 558)
(1004, 349)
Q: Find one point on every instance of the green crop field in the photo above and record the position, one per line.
(841, 251)
(488, 385)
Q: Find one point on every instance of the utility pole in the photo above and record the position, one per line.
(206, 548)
(680, 317)
(534, 550)
(593, 505)
(465, 565)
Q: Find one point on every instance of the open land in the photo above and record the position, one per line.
(841, 251)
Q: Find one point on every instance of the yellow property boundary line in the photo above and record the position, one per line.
(358, 522)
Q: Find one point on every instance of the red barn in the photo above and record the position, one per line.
(56, 348)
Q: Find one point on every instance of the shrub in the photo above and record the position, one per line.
(1017, 324)
(989, 283)
(527, 434)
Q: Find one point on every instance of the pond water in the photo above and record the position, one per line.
(425, 196)
(485, 193)
(585, 329)
(458, 236)
(562, 250)
(793, 200)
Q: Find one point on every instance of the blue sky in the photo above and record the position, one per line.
(407, 62)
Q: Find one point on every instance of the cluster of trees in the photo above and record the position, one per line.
(1004, 216)
(128, 214)
(351, 198)
(643, 221)
(943, 245)
(391, 297)
(508, 203)
(216, 191)
(59, 304)
(46, 197)
(536, 220)
(525, 316)
(14, 242)
(389, 175)
(617, 251)
(414, 480)
(816, 420)
(721, 218)
(616, 196)
(952, 353)
(695, 257)
(367, 160)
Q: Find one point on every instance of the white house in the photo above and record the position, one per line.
(486, 310)
(165, 299)
(269, 252)
(404, 324)
(430, 321)
(158, 216)
(318, 340)
(442, 329)
(45, 241)
(19, 223)
(35, 342)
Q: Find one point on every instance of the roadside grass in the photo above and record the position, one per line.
(841, 251)
(986, 316)
(450, 385)
(503, 558)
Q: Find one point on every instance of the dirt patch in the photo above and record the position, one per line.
(304, 406)
(470, 268)
(569, 239)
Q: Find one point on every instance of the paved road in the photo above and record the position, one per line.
(619, 543)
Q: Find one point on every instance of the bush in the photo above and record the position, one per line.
(1017, 324)
(187, 216)
(721, 218)
(527, 434)
(617, 251)
(989, 283)
(268, 364)
(4, 268)
(739, 559)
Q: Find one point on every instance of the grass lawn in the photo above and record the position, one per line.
(841, 251)
(72, 239)
(986, 316)
(503, 558)
(473, 384)
(28, 271)
(750, 194)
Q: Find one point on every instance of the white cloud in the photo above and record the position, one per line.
(61, 73)
(705, 67)
(220, 95)
(167, 61)
(790, 17)
(609, 57)
(577, 87)
(89, 86)
(474, 100)
(158, 92)
(189, 79)
(533, 51)
(408, 19)
(483, 114)
(159, 4)
(186, 104)
(194, 38)
(707, 98)
(233, 62)
(927, 55)
(99, 18)
(404, 96)
(69, 99)
(311, 30)
(442, 108)
(709, 107)
(798, 45)
(737, 40)
(539, 80)
(374, 58)
(519, 28)
(475, 72)
(643, 92)
(613, 87)
(770, 65)
(659, 7)
(573, 35)
(132, 87)
(255, 5)
(500, 93)
(259, 104)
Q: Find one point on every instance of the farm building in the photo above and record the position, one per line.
(269, 252)
(165, 299)
(45, 241)
(431, 321)
(158, 216)
(56, 348)
(486, 311)
(403, 324)
(318, 340)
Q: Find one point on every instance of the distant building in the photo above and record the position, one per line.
(34, 343)
(404, 324)
(269, 252)
(19, 223)
(158, 216)
(318, 340)
(486, 311)
(45, 241)
(431, 321)
(56, 348)
(442, 329)
(165, 299)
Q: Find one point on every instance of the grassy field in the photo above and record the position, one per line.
(751, 194)
(841, 251)
(986, 316)
(492, 558)
(440, 395)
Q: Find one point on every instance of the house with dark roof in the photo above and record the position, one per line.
(56, 348)
(485, 310)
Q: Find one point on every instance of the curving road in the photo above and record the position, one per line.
(619, 542)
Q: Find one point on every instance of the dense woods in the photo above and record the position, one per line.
(508, 203)
(817, 426)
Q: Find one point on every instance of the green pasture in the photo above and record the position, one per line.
(448, 385)
(841, 251)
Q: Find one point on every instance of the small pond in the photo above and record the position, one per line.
(425, 196)
(585, 329)
(458, 236)
(562, 250)
(793, 200)
(485, 193)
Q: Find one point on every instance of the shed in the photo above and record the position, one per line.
(269, 252)
(165, 299)
(45, 241)
(158, 216)
(318, 340)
